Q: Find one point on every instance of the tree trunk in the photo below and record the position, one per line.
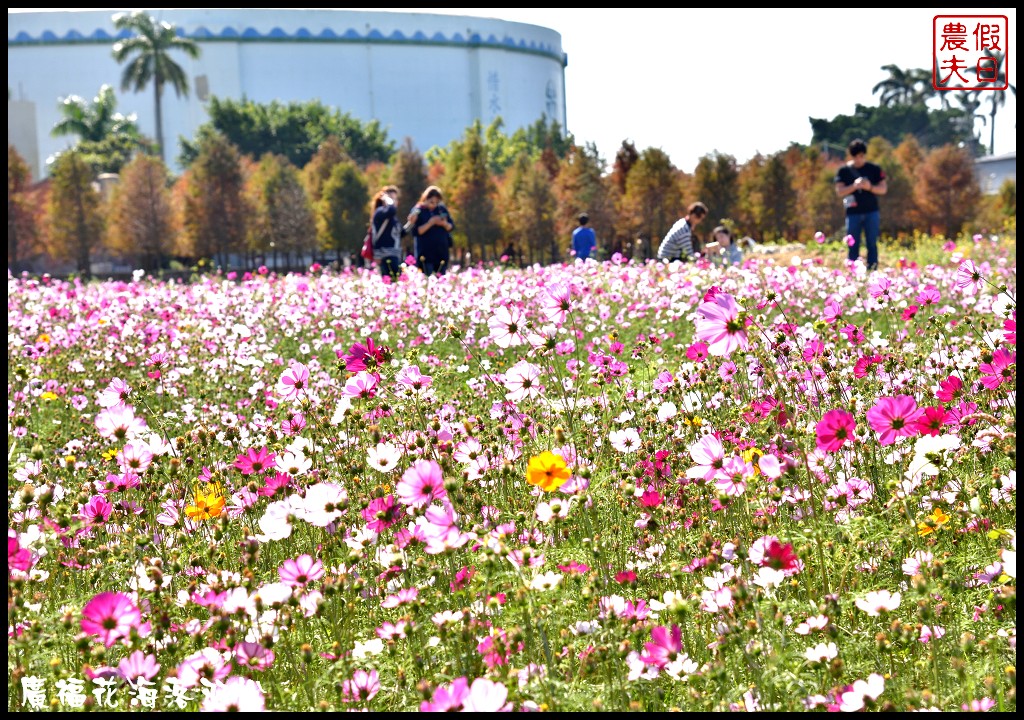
(158, 90)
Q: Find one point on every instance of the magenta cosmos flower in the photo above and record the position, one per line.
(1000, 370)
(834, 429)
(894, 417)
(300, 571)
(254, 461)
(719, 324)
(360, 356)
(421, 484)
(665, 645)
(111, 616)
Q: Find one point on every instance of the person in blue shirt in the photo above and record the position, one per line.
(584, 242)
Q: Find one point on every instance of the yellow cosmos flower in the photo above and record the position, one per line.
(547, 471)
(44, 338)
(751, 455)
(933, 522)
(49, 395)
(208, 505)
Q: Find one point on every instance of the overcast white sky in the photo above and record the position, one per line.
(739, 81)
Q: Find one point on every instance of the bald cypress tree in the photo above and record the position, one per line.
(75, 212)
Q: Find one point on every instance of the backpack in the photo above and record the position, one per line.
(367, 251)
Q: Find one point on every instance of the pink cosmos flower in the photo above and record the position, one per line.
(137, 665)
(360, 356)
(719, 323)
(135, 458)
(949, 388)
(894, 417)
(116, 393)
(237, 694)
(362, 385)
(556, 302)
(382, 513)
(968, 277)
(732, 479)
(709, 455)
(880, 287)
(300, 571)
(933, 420)
(1000, 370)
(97, 510)
(834, 429)
(405, 596)
(111, 616)
(207, 663)
(819, 237)
(294, 382)
(119, 423)
(929, 296)
(850, 240)
(665, 645)
(447, 698)
(860, 692)
(412, 378)
(507, 325)
(253, 655)
(833, 311)
(522, 381)
(18, 558)
(421, 484)
(362, 687)
(254, 462)
(1010, 328)
(697, 352)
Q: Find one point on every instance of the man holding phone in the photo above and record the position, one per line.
(859, 183)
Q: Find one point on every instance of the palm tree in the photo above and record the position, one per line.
(897, 89)
(996, 98)
(96, 121)
(151, 61)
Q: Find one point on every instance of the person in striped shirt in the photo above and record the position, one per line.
(678, 242)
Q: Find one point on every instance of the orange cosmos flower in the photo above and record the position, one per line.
(547, 471)
(933, 522)
(208, 505)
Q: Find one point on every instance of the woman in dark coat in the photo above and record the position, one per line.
(431, 228)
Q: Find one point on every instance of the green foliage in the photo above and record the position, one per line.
(75, 212)
(342, 214)
(528, 210)
(283, 219)
(504, 150)
(716, 184)
(652, 202)
(295, 130)
(472, 191)
(932, 128)
(580, 187)
(111, 154)
(95, 121)
(216, 213)
(148, 54)
(409, 175)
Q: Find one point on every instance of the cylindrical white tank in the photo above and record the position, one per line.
(423, 76)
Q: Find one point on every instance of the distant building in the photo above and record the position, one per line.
(423, 76)
(993, 170)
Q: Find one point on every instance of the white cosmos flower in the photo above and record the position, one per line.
(383, 458)
(822, 652)
(546, 581)
(879, 601)
(293, 463)
(667, 411)
(374, 646)
(625, 440)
